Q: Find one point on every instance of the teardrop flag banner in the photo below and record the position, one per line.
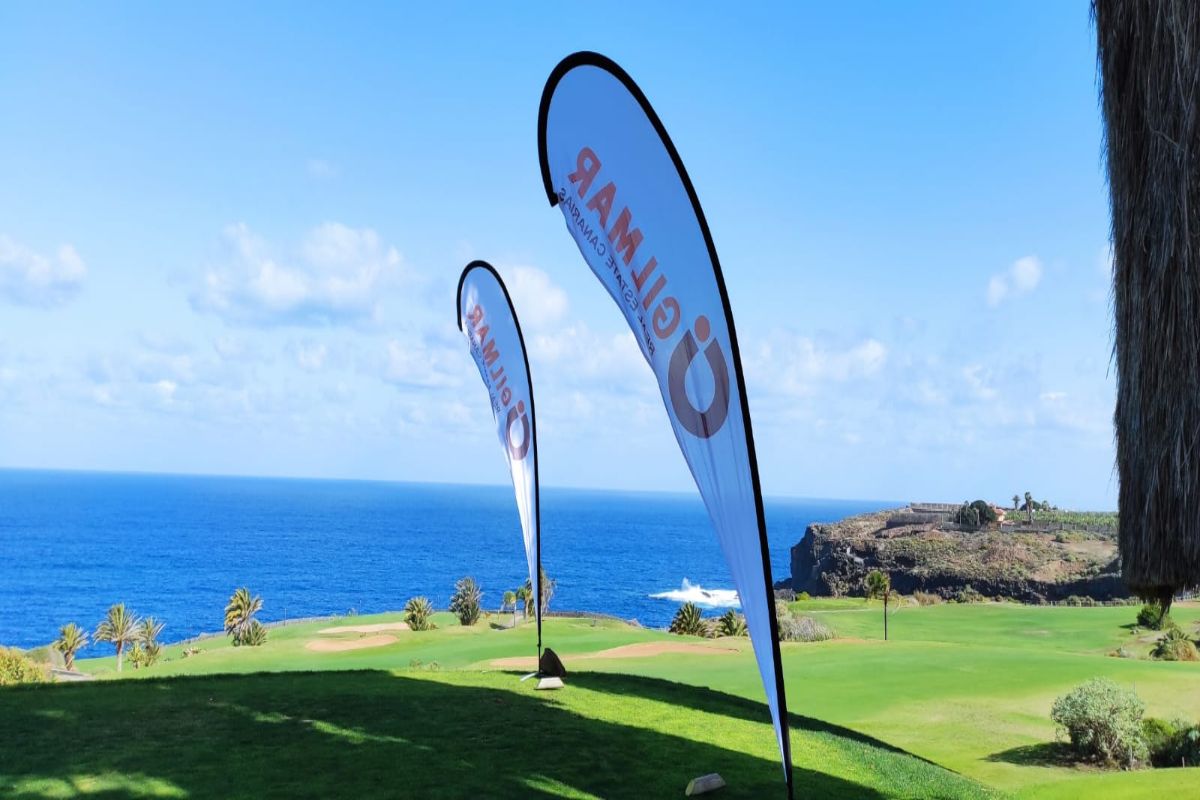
(609, 165)
(487, 318)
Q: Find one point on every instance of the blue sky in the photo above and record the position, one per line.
(230, 238)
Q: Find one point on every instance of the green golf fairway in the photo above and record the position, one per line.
(960, 689)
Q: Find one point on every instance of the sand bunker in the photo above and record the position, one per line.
(382, 626)
(338, 646)
(640, 650)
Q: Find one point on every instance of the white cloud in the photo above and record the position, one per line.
(537, 300)
(795, 365)
(1021, 278)
(32, 279)
(424, 365)
(310, 356)
(336, 276)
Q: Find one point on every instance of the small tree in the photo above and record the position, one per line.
(71, 639)
(525, 598)
(465, 601)
(1016, 501)
(547, 593)
(148, 633)
(688, 621)
(879, 586)
(239, 615)
(417, 612)
(1029, 507)
(1103, 722)
(119, 628)
(509, 603)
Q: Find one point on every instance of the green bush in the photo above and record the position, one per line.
(255, 634)
(803, 596)
(688, 621)
(1172, 744)
(803, 629)
(1103, 723)
(731, 623)
(15, 668)
(1174, 645)
(465, 601)
(968, 594)
(417, 612)
(1154, 617)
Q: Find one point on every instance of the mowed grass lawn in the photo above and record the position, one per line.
(968, 688)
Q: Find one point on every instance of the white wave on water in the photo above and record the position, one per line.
(706, 598)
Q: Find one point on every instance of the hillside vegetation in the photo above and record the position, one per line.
(942, 558)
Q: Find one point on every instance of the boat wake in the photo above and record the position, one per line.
(706, 598)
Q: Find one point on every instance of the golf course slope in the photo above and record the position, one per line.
(956, 705)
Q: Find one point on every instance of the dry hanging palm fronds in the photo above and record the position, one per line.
(1149, 62)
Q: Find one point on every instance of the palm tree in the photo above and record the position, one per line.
(688, 621)
(1029, 507)
(465, 601)
(417, 612)
(879, 585)
(525, 596)
(147, 634)
(547, 593)
(239, 614)
(119, 628)
(1149, 96)
(71, 639)
(510, 602)
(1016, 501)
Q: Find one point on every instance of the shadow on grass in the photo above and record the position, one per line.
(1043, 754)
(717, 702)
(361, 734)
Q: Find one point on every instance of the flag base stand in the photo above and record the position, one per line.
(704, 784)
(550, 683)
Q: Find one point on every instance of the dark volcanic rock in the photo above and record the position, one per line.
(833, 559)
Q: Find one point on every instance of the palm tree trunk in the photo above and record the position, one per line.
(1149, 59)
(885, 606)
(120, 645)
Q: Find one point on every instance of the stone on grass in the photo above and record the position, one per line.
(705, 783)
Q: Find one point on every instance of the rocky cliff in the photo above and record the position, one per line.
(932, 555)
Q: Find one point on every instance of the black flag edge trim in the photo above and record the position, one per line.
(587, 58)
(537, 483)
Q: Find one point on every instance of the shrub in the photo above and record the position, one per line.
(15, 668)
(255, 634)
(803, 629)
(417, 612)
(1174, 645)
(1154, 617)
(803, 596)
(786, 595)
(1103, 722)
(927, 598)
(1172, 744)
(968, 594)
(731, 623)
(688, 621)
(465, 601)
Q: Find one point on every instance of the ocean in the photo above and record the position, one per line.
(175, 547)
